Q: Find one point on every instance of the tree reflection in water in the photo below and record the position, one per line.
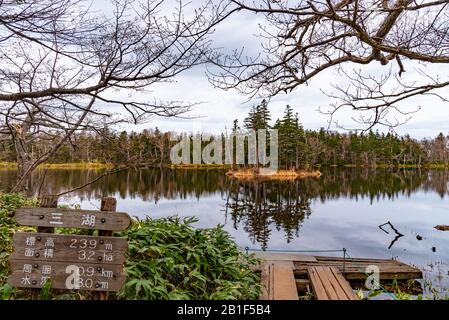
(258, 206)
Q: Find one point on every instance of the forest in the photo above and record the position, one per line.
(298, 147)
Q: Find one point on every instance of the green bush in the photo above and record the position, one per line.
(169, 259)
(166, 259)
(8, 204)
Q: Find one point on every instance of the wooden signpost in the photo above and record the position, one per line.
(66, 275)
(71, 218)
(59, 247)
(74, 262)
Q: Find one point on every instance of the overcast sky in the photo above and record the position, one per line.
(219, 108)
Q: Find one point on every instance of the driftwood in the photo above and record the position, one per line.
(442, 227)
(398, 234)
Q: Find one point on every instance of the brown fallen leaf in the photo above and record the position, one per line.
(442, 227)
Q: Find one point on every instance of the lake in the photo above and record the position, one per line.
(342, 209)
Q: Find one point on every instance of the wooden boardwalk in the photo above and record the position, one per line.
(284, 274)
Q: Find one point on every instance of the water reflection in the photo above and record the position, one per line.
(284, 204)
(256, 207)
(153, 184)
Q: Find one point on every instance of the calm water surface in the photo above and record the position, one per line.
(342, 209)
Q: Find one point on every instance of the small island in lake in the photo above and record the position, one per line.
(271, 174)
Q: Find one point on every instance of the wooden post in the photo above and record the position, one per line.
(107, 204)
(45, 202)
(48, 202)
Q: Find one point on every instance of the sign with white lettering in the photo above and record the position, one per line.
(68, 261)
(71, 218)
(66, 275)
(75, 248)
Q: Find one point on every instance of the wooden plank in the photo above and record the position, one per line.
(66, 275)
(265, 281)
(75, 248)
(71, 218)
(358, 275)
(351, 259)
(270, 256)
(284, 285)
(386, 276)
(340, 293)
(354, 269)
(345, 286)
(108, 204)
(271, 281)
(327, 283)
(302, 284)
(317, 285)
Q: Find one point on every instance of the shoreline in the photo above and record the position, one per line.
(100, 165)
(69, 165)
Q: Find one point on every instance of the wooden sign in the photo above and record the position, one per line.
(74, 262)
(71, 218)
(66, 275)
(64, 248)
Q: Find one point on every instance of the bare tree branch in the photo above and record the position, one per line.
(66, 67)
(304, 38)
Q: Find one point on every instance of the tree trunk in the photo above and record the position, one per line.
(23, 156)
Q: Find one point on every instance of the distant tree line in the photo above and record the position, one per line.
(298, 147)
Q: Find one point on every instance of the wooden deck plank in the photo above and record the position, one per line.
(329, 284)
(317, 286)
(336, 283)
(284, 285)
(354, 269)
(358, 275)
(265, 278)
(302, 284)
(279, 256)
(278, 281)
(345, 286)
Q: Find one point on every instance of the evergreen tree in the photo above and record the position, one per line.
(288, 133)
(258, 117)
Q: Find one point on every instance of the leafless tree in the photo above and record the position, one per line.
(370, 43)
(66, 67)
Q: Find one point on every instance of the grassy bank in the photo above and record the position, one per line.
(99, 165)
(166, 259)
(200, 166)
(395, 166)
(77, 165)
(73, 165)
(8, 165)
